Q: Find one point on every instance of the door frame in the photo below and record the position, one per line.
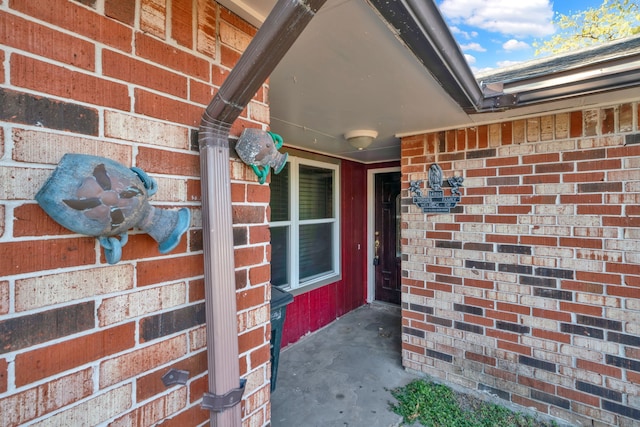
(371, 274)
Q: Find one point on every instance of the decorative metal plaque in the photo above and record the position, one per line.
(436, 201)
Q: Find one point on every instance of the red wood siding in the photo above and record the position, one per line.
(314, 309)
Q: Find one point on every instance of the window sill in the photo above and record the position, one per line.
(312, 286)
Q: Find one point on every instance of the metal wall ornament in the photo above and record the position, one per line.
(100, 197)
(258, 148)
(436, 201)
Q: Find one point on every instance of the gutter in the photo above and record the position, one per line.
(279, 31)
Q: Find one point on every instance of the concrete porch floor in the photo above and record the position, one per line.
(340, 375)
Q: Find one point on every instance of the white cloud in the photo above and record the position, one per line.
(514, 44)
(470, 58)
(505, 64)
(522, 18)
(464, 34)
(473, 46)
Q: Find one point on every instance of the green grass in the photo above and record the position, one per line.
(436, 405)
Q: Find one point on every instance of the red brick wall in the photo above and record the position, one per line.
(529, 288)
(83, 342)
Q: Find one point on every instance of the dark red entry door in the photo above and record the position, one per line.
(387, 237)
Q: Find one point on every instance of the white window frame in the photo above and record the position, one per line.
(294, 285)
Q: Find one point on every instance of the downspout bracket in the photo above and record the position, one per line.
(175, 376)
(218, 403)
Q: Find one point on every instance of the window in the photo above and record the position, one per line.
(305, 227)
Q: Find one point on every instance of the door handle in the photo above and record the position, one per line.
(376, 245)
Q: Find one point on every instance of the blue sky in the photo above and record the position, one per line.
(498, 33)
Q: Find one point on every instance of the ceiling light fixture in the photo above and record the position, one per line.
(360, 139)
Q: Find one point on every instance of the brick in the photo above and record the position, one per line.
(3, 376)
(123, 11)
(153, 160)
(167, 109)
(176, 59)
(439, 355)
(554, 272)
(32, 403)
(551, 314)
(151, 384)
(576, 124)
(581, 243)
(155, 411)
(138, 129)
(608, 119)
(193, 416)
(25, 331)
(536, 384)
(181, 22)
(625, 114)
(625, 411)
(139, 303)
(249, 256)
(171, 322)
(469, 327)
(582, 330)
(599, 322)
(4, 297)
(244, 214)
(171, 269)
(599, 368)
(31, 220)
(48, 148)
(201, 93)
(47, 361)
(54, 80)
(590, 118)
(513, 327)
(206, 28)
(79, 20)
(621, 362)
(599, 391)
(153, 17)
(259, 234)
(16, 107)
(94, 411)
(259, 275)
(45, 254)
(481, 154)
(537, 363)
(43, 41)
(414, 332)
(45, 290)
(117, 369)
(131, 70)
(630, 340)
(600, 187)
(551, 336)
(538, 281)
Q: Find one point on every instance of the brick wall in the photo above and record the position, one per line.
(83, 342)
(529, 289)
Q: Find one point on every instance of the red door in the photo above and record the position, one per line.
(387, 237)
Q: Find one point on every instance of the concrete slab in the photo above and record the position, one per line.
(340, 375)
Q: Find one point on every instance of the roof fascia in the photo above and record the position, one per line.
(420, 26)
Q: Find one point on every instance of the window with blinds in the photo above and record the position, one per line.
(304, 224)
